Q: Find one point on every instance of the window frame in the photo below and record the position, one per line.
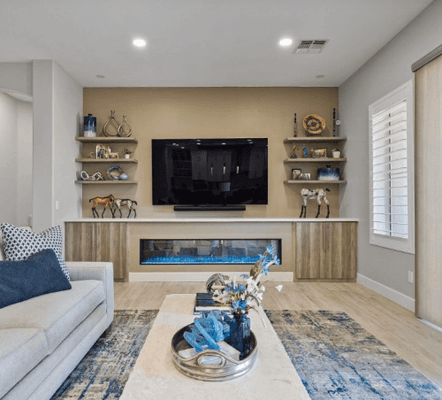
(406, 92)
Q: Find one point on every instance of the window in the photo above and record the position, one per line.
(392, 170)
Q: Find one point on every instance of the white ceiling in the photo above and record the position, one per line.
(197, 43)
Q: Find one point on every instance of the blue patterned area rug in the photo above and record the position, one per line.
(105, 369)
(337, 359)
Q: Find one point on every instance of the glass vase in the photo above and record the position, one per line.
(240, 334)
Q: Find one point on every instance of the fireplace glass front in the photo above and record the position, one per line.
(205, 251)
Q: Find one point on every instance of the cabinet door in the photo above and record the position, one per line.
(325, 250)
(338, 257)
(98, 241)
(307, 237)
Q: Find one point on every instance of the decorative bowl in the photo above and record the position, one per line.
(227, 368)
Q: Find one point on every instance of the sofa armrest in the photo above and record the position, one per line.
(99, 271)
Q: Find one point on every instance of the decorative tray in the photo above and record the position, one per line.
(225, 370)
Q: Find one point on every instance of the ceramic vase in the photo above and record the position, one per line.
(240, 334)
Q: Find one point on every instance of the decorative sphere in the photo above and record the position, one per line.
(123, 177)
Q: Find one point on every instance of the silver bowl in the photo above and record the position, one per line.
(227, 369)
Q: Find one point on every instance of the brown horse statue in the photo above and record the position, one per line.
(101, 201)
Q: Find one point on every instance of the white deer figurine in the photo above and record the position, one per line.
(319, 195)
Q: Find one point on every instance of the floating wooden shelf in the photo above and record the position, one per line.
(314, 160)
(106, 161)
(301, 182)
(109, 182)
(106, 139)
(314, 139)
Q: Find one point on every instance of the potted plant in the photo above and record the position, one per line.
(127, 152)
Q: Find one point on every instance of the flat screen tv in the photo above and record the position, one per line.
(209, 172)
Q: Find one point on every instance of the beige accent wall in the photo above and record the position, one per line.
(156, 113)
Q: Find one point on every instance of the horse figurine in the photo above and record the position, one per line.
(118, 203)
(101, 201)
(319, 195)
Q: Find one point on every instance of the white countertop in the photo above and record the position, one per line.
(202, 219)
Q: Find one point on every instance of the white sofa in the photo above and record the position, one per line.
(43, 339)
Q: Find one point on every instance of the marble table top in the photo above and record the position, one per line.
(155, 376)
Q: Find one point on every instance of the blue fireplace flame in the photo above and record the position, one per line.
(199, 260)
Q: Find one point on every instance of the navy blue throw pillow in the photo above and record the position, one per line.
(23, 280)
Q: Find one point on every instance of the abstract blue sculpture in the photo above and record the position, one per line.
(207, 330)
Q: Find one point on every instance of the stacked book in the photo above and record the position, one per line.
(204, 302)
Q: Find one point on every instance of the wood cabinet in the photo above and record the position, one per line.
(325, 250)
(99, 241)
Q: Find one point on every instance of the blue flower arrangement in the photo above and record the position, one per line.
(247, 295)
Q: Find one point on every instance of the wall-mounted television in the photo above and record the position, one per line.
(209, 172)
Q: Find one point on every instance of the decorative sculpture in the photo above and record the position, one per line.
(314, 124)
(207, 331)
(111, 123)
(118, 203)
(319, 195)
(122, 131)
(94, 177)
(103, 201)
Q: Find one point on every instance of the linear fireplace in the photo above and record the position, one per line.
(205, 251)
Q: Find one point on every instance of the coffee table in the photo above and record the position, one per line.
(155, 376)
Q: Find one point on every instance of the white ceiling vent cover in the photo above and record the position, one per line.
(310, 46)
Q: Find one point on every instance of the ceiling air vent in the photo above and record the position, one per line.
(310, 46)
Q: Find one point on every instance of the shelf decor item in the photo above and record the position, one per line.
(84, 176)
(336, 123)
(328, 174)
(90, 126)
(319, 153)
(126, 152)
(124, 129)
(295, 126)
(336, 153)
(296, 173)
(314, 124)
(111, 127)
(294, 150)
(115, 173)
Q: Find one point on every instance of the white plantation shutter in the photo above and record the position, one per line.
(392, 171)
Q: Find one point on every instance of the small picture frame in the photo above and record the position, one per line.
(305, 176)
(296, 172)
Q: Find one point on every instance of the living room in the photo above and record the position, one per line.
(219, 72)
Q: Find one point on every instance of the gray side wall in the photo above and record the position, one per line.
(387, 70)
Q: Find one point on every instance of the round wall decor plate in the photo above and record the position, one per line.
(313, 124)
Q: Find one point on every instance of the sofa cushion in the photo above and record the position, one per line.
(57, 314)
(22, 280)
(20, 351)
(20, 243)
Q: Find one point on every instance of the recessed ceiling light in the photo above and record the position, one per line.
(100, 76)
(285, 42)
(139, 42)
(320, 76)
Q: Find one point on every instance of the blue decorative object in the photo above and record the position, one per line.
(123, 177)
(304, 150)
(207, 330)
(90, 126)
(328, 174)
(239, 337)
(39, 274)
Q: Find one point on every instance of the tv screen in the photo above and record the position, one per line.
(209, 171)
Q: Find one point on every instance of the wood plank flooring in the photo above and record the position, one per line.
(397, 327)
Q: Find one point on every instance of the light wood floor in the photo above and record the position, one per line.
(397, 327)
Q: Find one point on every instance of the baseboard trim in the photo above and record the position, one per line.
(198, 276)
(391, 294)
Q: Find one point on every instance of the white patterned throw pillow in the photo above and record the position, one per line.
(20, 243)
